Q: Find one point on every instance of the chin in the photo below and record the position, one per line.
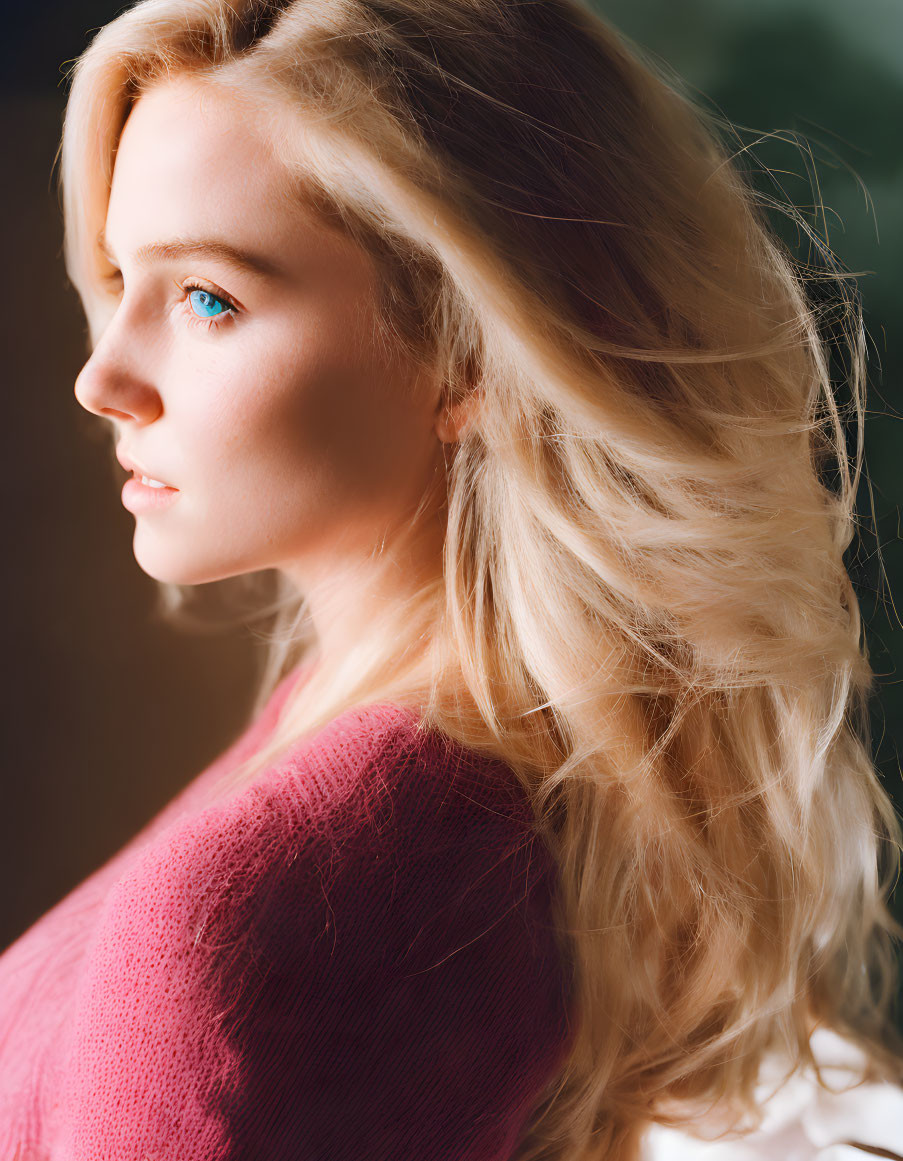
(198, 553)
(167, 568)
(172, 575)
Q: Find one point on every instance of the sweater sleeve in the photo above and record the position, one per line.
(353, 958)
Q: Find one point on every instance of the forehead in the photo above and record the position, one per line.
(183, 131)
(196, 156)
(196, 160)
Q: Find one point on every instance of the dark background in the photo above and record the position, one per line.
(111, 711)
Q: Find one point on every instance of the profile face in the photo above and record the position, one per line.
(292, 438)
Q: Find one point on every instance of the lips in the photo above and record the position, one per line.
(132, 465)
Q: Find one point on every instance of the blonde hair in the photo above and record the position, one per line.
(643, 606)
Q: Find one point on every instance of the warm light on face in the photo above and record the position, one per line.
(240, 365)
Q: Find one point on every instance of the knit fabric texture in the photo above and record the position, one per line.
(352, 957)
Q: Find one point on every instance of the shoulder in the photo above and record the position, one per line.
(373, 851)
(378, 755)
(373, 915)
(370, 789)
(374, 774)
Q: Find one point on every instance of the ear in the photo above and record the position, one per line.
(452, 420)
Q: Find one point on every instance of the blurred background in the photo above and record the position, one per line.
(110, 711)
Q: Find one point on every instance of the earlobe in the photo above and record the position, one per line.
(445, 426)
(453, 420)
(464, 386)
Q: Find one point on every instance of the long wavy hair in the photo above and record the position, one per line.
(642, 605)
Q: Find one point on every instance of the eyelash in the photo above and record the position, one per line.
(214, 320)
(206, 324)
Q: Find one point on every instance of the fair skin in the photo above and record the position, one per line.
(294, 441)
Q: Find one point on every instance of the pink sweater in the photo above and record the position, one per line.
(351, 959)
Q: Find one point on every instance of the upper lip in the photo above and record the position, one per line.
(132, 465)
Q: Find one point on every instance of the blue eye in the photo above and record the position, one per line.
(208, 310)
(205, 304)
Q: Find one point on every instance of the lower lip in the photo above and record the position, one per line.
(138, 497)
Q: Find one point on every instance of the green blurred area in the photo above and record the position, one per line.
(815, 91)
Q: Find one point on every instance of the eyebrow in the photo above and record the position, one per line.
(243, 260)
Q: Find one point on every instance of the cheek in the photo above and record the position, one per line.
(309, 435)
(326, 409)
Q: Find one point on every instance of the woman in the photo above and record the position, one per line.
(556, 827)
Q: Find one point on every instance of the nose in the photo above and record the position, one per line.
(111, 383)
